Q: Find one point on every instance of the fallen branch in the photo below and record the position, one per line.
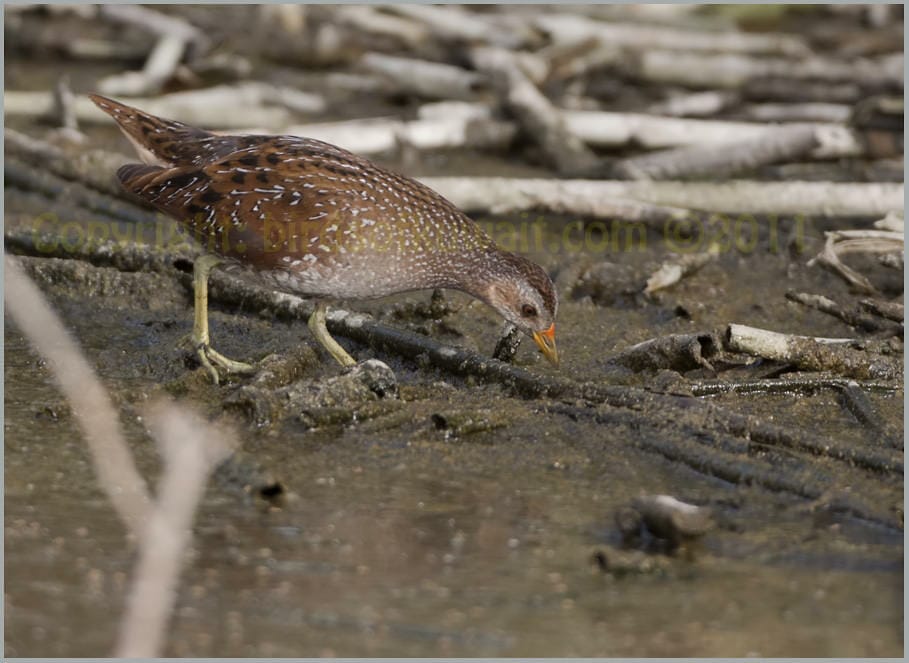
(851, 318)
(191, 450)
(605, 129)
(798, 112)
(373, 21)
(671, 272)
(453, 23)
(571, 27)
(844, 242)
(213, 108)
(424, 78)
(727, 159)
(890, 310)
(784, 385)
(593, 197)
(834, 355)
(855, 400)
(677, 352)
(694, 104)
(377, 136)
(536, 115)
(731, 71)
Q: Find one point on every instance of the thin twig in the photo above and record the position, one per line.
(191, 450)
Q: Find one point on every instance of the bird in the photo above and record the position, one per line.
(311, 219)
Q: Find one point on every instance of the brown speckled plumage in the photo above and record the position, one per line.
(314, 219)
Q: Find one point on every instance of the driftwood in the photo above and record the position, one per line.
(856, 401)
(803, 112)
(452, 23)
(175, 38)
(788, 90)
(850, 317)
(673, 271)
(372, 20)
(594, 197)
(806, 353)
(381, 135)
(844, 242)
(784, 144)
(539, 119)
(677, 352)
(572, 28)
(605, 129)
(787, 384)
(424, 78)
(732, 71)
(694, 104)
(890, 310)
(213, 108)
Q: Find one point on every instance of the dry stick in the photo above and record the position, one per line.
(844, 242)
(91, 404)
(375, 136)
(571, 27)
(159, 68)
(801, 384)
(779, 145)
(592, 197)
(452, 23)
(813, 354)
(789, 90)
(695, 104)
(422, 77)
(94, 168)
(372, 21)
(858, 404)
(214, 107)
(607, 129)
(852, 318)
(729, 71)
(674, 270)
(890, 310)
(795, 112)
(539, 119)
(22, 175)
(191, 449)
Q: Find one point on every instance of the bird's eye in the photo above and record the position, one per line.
(528, 311)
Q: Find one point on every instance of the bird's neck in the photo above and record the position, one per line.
(479, 271)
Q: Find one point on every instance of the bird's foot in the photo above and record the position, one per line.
(212, 360)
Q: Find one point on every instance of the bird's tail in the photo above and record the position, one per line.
(158, 141)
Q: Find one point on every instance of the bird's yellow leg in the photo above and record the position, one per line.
(200, 338)
(320, 331)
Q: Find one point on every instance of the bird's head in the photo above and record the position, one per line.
(524, 295)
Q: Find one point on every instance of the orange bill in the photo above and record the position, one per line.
(546, 341)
